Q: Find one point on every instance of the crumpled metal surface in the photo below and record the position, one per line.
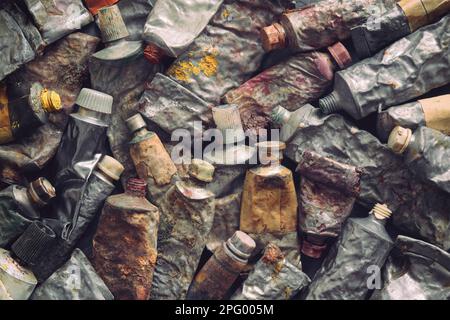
(20, 39)
(171, 106)
(228, 51)
(134, 14)
(428, 157)
(415, 270)
(327, 193)
(183, 232)
(76, 280)
(273, 278)
(125, 81)
(80, 204)
(405, 70)
(326, 22)
(226, 220)
(409, 115)
(13, 219)
(62, 68)
(344, 275)
(420, 209)
(380, 31)
(292, 83)
(166, 23)
(57, 18)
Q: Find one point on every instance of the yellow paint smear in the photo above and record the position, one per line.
(208, 64)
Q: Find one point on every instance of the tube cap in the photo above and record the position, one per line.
(399, 139)
(154, 54)
(95, 5)
(381, 211)
(340, 54)
(41, 191)
(95, 100)
(136, 122)
(51, 101)
(280, 115)
(111, 167)
(111, 24)
(228, 120)
(201, 170)
(273, 37)
(312, 250)
(33, 242)
(241, 244)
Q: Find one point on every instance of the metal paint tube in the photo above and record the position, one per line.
(19, 206)
(291, 83)
(320, 24)
(171, 106)
(227, 52)
(21, 41)
(327, 193)
(432, 112)
(77, 205)
(427, 154)
(420, 209)
(57, 18)
(415, 270)
(405, 70)
(21, 114)
(124, 248)
(187, 215)
(362, 246)
(406, 17)
(165, 29)
(64, 68)
(273, 278)
(75, 280)
(214, 280)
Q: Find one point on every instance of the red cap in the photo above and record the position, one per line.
(340, 54)
(154, 54)
(95, 5)
(312, 250)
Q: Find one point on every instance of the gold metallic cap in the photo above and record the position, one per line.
(111, 167)
(201, 170)
(273, 37)
(381, 211)
(399, 139)
(41, 191)
(51, 101)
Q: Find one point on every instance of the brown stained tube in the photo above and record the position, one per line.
(149, 155)
(423, 12)
(327, 193)
(319, 25)
(219, 273)
(269, 202)
(300, 79)
(124, 247)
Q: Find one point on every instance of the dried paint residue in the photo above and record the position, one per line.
(184, 70)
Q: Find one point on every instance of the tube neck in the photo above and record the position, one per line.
(330, 103)
(95, 115)
(280, 115)
(136, 187)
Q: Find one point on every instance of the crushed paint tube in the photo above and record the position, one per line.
(426, 153)
(165, 29)
(362, 247)
(300, 79)
(273, 277)
(124, 246)
(214, 280)
(320, 24)
(187, 215)
(405, 70)
(327, 193)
